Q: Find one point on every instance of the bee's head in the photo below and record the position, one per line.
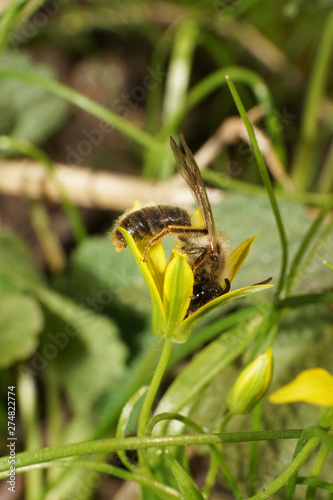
(118, 240)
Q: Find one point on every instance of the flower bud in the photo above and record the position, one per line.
(251, 384)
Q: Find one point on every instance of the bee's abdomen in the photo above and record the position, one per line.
(147, 222)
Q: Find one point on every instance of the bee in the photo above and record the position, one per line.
(206, 251)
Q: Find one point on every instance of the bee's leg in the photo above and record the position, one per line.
(172, 230)
(199, 260)
(227, 286)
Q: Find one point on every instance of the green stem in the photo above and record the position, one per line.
(253, 467)
(141, 443)
(316, 470)
(151, 394)
(154, 386)
(103, 468)
(28, 409)
(217, 459)
(147, 362)
(211, 475)
(303, 169)
(265, 177)
(307, 434)
(316, 483)
(295, 465)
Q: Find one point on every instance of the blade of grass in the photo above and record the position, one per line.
(301, 300)
(313, 253)
(259, 89)
(302, 168)
(81, 101)
(265, 177)
(48, 239)
(28, 9)
(155, 95)
(177, 82)
(228, 183)
(325, 181)
(308, 238)
(8, 20)
(217, 79)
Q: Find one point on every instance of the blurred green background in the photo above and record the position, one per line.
(74, 315)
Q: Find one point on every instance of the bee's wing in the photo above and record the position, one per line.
(189, 170)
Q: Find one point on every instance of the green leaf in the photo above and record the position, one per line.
(266, 179)
(17, 269)
(86, 343)
(21, 322)
(186, 485)
(31, 112)
(209, 362)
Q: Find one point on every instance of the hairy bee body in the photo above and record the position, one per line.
(209, 275)
(206, 250)
(213, 266)
(147, 222)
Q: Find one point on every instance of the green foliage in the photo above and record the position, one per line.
(21, 322)
(87, 343)
(74, 335)
(27, 111)
(85, 334)
(17, 269)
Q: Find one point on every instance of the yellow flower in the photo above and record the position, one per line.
(170, 287)
(251, 385)
(310, 386)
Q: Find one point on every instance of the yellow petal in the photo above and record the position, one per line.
(311, 386)
(178, 286)
(196, 218)
(157, 263)
(158, 315)
(239, 255)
